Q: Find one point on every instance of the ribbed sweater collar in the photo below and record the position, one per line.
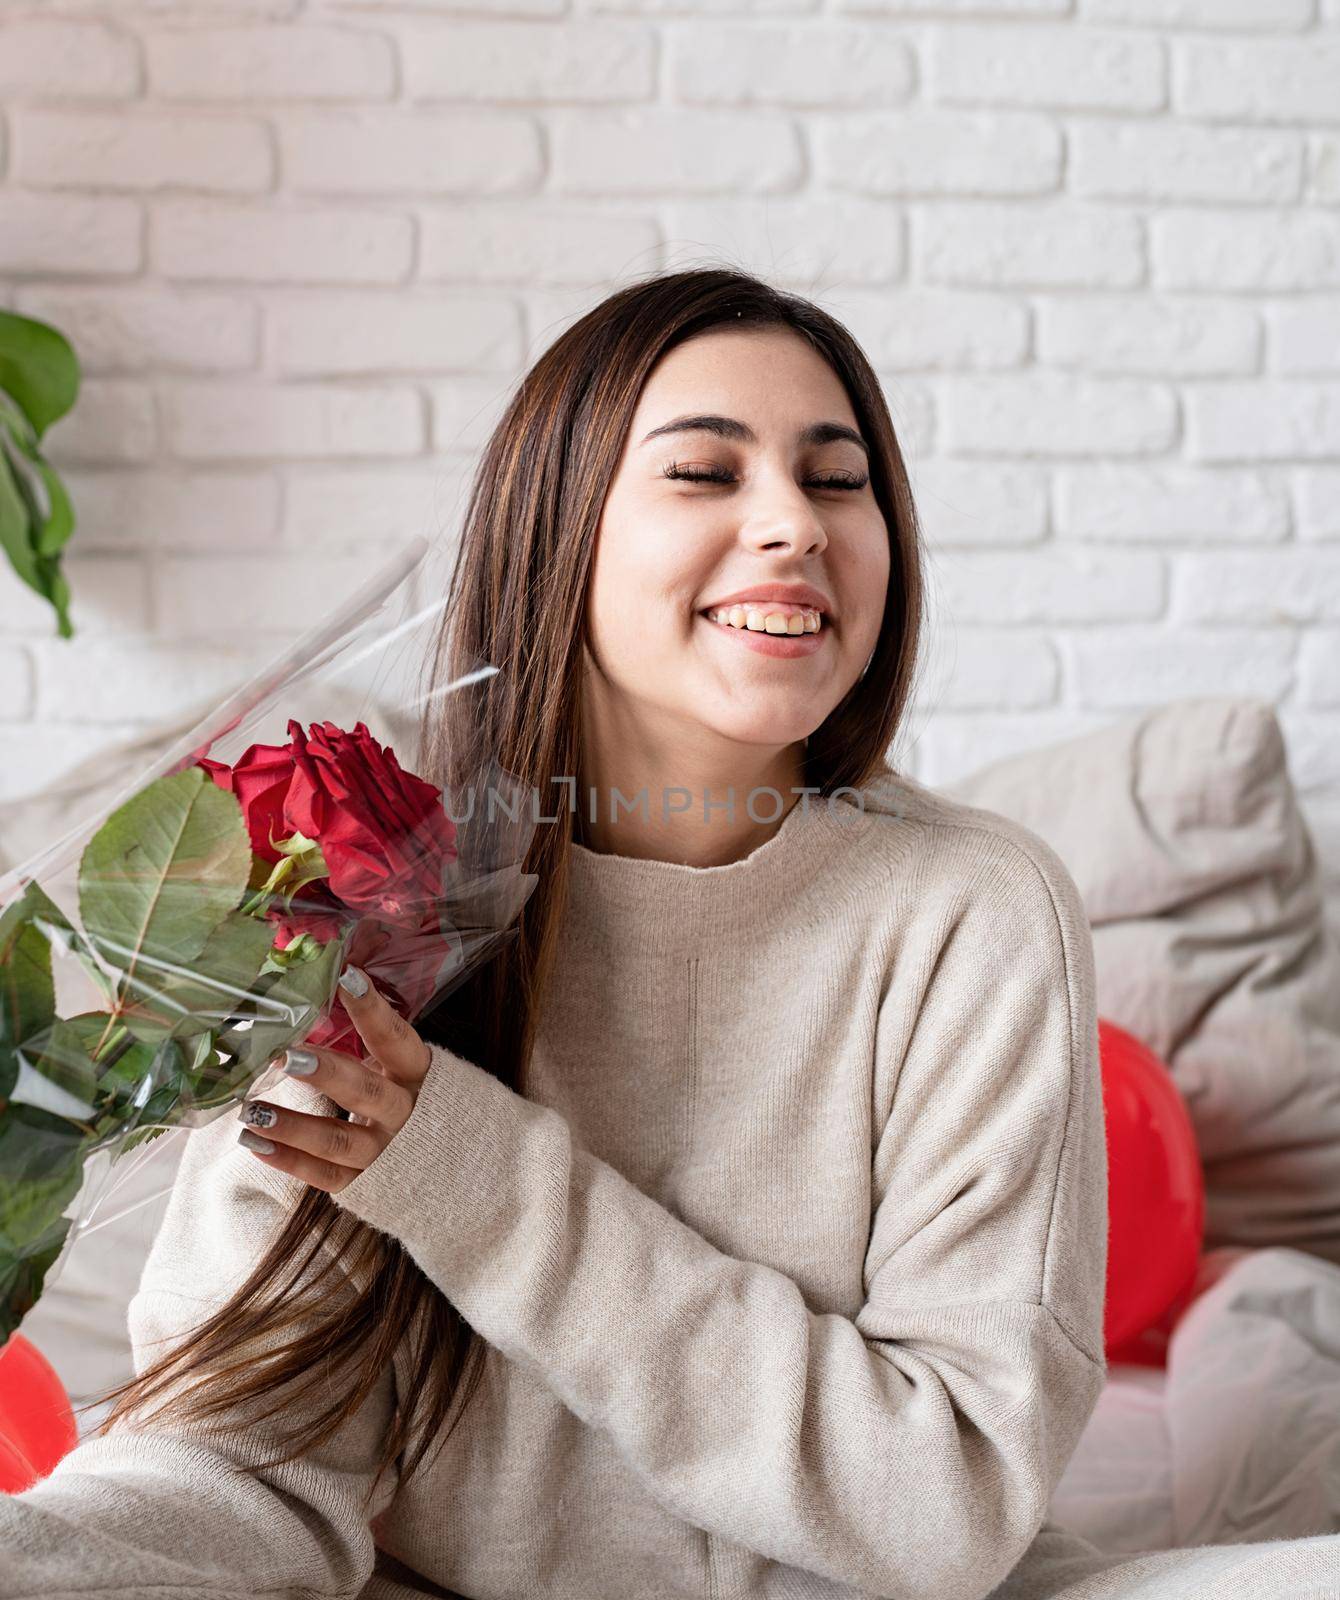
(801, 872)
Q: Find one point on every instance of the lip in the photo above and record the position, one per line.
(784, 645)
(796, 594)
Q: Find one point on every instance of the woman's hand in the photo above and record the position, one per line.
(327, 1152)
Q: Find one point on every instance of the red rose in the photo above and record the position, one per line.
(388, 846)
(410, 963)
(384, 834)
(260, 779)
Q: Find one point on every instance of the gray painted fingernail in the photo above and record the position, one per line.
(258, 1115)
(354, 981)
(300, 1063)
(253, 1141)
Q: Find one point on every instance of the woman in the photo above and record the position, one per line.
(740, 1230)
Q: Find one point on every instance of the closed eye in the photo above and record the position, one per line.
(719, 475)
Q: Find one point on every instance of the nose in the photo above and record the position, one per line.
(784, 520)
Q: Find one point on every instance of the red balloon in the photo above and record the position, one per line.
(1156, 1198)
(37, 1423)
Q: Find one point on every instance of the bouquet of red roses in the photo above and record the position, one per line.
(207, 920)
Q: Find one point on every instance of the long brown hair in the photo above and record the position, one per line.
(517, 599)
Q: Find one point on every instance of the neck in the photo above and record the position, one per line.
(683, 810)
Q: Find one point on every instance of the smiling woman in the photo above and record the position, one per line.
(741, 1228)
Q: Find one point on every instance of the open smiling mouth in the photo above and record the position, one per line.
(784, 631)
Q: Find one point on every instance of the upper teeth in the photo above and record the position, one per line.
(762, 621)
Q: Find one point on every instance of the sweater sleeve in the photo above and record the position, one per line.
(176, 1510)
(908, 1451)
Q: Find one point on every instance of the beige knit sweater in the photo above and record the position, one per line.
(790, 1260)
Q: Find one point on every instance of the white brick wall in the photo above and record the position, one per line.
(305, 247)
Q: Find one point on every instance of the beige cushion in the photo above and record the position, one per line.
(1184, 835)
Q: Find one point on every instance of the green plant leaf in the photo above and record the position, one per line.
(205, 997)
(41, 1170)
(287, 1007)
(36, 516)
(38, 368)
(27, 988)
(159, 876)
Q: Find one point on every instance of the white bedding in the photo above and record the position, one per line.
(1227, 1464)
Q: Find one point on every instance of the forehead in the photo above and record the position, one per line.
(770, 378)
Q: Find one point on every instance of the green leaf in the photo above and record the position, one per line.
(207, 995)
(41, 1170)
(53, 922)
(288, 1005)
(36, 516)
(27, 988)
(158, 878)
(38, 368)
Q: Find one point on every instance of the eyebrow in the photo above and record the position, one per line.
(730, 428)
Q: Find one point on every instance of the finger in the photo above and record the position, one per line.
(397, 1047)
(312, 1170)
(351, 1083)
(345, 1144)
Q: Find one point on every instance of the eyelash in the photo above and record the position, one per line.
(690, 475)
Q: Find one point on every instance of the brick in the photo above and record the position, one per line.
(937, 330)
(819, 67)
(1234, 250)
(1305, 336)
(971, 8)
(299, 244)
(370, 333)
(344, 508)
(110, 421)
(466, 411)
(1134, 667)
(307, 62)
(1049, 414)
(1169, 504)
(699, 8)
(1258, 80)
(16, 684)
(1262, 421)
(1171, 161)
(1052, 585)
(674, 151)
(69, 234)
(1068, 68)
(204, 599)
(138, 678)
(109, 594)
(1144, 336)
(939, 152)
(134, 330)
(497, 8)
(72, 59)
(809, 241)
(1274, 586)
(168, 509)
(209, 422)
(1053, 246)
(1314, 755)
(994, 669)
(1319, 667)
(58, 149)
(532, 62)
(980, 503)
(506, 243)
(1323, 170)
(1317, 497)
(1170, 14)
(397, 152)
(955, 744)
